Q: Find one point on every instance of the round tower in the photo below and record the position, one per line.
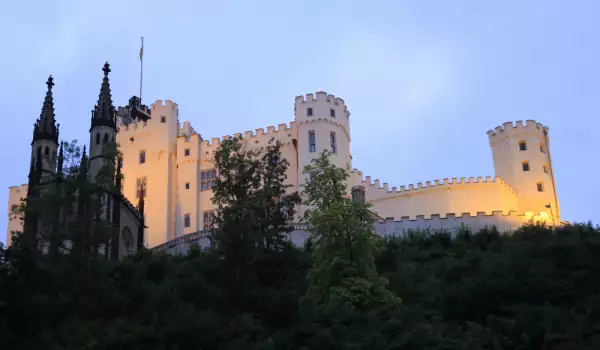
(522, 158)
(323, 124)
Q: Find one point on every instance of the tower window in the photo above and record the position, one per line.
(186, 152)
(131, 139)
(120, 163)
(187, 220)
(142, 157)
(542, 148)
(309, 112)
(546, 169)
(332, 113)
(187, 185)
(141, 187)
(522, 145)
(46, 151)
(333, 143)
(312, 143)
(525, 165)
(208, 179)
(105, 138)
(163, 119)
(540, 187)
(97, 138)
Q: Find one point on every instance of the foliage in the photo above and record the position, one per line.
(535, 288)
(342, 231)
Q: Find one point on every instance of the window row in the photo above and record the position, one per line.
(523, 146)
(312, 142)
(309, 112)
(208, 219)
(105, 138)
(525, 165)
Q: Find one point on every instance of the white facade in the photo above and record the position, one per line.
(177, 167)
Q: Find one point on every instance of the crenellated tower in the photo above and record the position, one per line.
(522, 158)
(323, 123)
(103, 129)
(45, 138)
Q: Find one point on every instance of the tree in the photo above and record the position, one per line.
(254, 210)
(341, 229)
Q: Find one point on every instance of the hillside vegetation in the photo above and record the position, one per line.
(536, 288)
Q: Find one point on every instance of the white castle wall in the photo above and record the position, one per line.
(16, 194)
(157, 139)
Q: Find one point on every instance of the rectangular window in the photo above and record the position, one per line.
(540, 187)
(333, 143)
(332, 113)
(312, 145)
(309, 112)
(141, 187)
(208, 219)
(542, 148)
(546, 169)
(187, 220)
(525, 166)
(522, 145)
(142, 157)
(208, 179)
(186, 152)
(163, 119)
(187, 185)
(120, 163)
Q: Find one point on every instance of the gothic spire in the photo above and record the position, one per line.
(104, 111)
(45, 127)
(61, 159)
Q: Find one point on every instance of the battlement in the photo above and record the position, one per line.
(322, 96)
(22, 190)
(385, 189)
(511, 128)
(253, 135)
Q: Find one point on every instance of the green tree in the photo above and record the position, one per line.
(341, 230)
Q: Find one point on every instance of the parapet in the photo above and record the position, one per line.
(510, 128)
(250, 135)
(322, 96)
(377, 190)
(22, 190)
(159, 109)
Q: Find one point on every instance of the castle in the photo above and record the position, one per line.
(95, 187)
(176, 166)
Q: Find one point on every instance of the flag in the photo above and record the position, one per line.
(142, 49)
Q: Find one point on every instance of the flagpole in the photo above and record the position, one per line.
(141, 68)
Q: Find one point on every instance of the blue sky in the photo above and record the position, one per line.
(424, 80)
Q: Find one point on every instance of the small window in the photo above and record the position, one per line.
(163, 119)
(105, 138)
(540, 187)
(46, 151)
(332, 113)
(186, 152)
(141, 187)
(142, 157)
(208, 219)
(187, 185)
(309, 112)
(542, 148)
(312, 146)
(120, 163)
(525, 166)
(546, 169)
(187, 220)
(333, 142)
(522, 146)
(131, 139)
(98, 138)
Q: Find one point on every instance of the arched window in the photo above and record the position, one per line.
(97, 138)
(47, 151)
(127, 238)
(105, 137)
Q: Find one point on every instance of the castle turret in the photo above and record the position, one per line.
(103, 129)
(45, 137)
(522, 158)
(323, 124)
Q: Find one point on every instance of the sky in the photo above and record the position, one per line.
(424, 80)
